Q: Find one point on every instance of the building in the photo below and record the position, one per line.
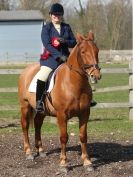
(20, 35)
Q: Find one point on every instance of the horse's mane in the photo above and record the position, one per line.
(72, 51)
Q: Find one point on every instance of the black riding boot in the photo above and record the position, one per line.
(40, 95)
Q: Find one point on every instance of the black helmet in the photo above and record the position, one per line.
(56, 9)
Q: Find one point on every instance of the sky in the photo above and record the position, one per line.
(73, 3)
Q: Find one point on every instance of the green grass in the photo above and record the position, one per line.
(10, 114)
(8, 80)
(109, 114)
(108, 129)
(112, 97)
(112, 80)
(8, 99)
(13, 66)
(114, 65)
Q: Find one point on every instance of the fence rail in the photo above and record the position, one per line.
(104, 55)
(108, 70)
(99, 105)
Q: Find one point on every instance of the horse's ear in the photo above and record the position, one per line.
(91, 36)
(79, 37)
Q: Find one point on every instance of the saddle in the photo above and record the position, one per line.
(49, 84)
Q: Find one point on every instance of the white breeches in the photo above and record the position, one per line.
(44, 73)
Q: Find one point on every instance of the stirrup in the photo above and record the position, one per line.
(40, 107)
(93, 103)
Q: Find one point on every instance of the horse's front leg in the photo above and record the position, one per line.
(62, 122)
(83, 120)
(25, 127)
(38, 121)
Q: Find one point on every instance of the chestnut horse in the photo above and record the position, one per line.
(71, 96)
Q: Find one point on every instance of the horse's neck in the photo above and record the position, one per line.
(72, 59)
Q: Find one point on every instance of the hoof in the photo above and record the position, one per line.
(29, 157)
(42, 154)
(89, 168)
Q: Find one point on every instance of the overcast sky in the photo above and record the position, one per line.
(73, 3)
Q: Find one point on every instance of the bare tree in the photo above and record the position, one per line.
(81, 17)
(117, 13)
(96, 20)
(4, 5)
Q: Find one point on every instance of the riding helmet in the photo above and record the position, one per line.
(57, 9)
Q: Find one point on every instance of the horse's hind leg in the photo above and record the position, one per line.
(83, 120)
(25, 113)
(38, 121)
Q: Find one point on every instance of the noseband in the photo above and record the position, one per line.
(87, 66)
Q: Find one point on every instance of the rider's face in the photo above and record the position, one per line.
(56, 18)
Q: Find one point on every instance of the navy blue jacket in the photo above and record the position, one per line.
(48, 33)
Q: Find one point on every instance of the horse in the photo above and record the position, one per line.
(70, 97)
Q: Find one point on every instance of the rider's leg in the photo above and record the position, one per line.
(41, 87)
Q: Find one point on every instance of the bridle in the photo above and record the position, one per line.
(87, 66)
(84, 67)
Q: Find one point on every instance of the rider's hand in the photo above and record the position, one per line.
(61, 40)
(62, 59)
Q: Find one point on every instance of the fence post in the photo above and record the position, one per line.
(131, 90)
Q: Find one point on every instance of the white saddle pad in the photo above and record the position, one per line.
(33, 84)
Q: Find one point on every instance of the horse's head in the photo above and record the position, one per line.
(88, 56)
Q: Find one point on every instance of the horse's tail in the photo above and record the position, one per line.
(31, 116)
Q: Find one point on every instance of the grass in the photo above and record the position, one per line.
(114, 65)
(8, 80)
(8, 98)
(13, 66)
(107, 129)
(113, 80)
(10, 114)
(112, 97)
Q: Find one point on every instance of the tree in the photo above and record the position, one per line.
(42, 5)
(81, 16)
(111, 22)
(117, 12)
(4, 5)
(96, 21)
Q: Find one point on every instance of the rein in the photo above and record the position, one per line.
(77, 70)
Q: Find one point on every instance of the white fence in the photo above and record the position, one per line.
(104, 56)
(115, 55)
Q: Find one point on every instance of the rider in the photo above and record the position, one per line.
(57, 37)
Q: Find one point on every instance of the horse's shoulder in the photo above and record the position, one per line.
(63, 66)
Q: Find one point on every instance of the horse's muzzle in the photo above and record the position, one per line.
(94, 78)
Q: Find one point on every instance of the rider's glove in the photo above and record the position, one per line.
(62, 59)
(61, 40)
